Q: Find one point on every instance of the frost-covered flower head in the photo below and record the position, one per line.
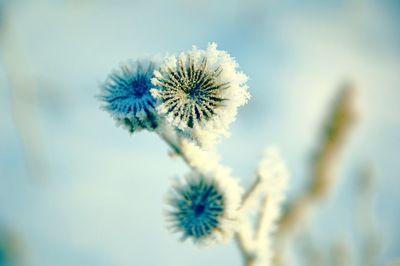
(200, 89)
(127, 97)
(204, 209)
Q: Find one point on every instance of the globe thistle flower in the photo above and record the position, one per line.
(200, 90)
(127, 97)
(204, 208)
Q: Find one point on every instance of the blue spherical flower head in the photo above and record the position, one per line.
(127, 97)
(201, 209)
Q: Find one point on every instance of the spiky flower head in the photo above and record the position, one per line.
(204, 208)
(127, 97)
(200, 89)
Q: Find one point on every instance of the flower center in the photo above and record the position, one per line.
(139, 87)
(199, 209)
(195, 93)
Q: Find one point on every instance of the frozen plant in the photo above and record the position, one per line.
(126, 94)
(190, 100)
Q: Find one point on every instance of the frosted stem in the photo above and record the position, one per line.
(251, 194)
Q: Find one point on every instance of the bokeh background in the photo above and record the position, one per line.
(76, 190)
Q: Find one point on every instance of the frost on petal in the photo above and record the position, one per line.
(201, 90)
(126, 95)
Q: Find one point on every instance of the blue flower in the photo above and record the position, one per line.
(198, 208)
(127, 97)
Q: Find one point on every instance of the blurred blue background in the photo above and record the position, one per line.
(76, 190)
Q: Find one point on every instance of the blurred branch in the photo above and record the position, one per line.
(370, 239)
(341, 254)
(394, 262)
(312, 253)
(23, 98)
(336, 130)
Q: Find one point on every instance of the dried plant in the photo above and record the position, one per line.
(190, 100)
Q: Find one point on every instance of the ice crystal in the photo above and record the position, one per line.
(127, 97)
